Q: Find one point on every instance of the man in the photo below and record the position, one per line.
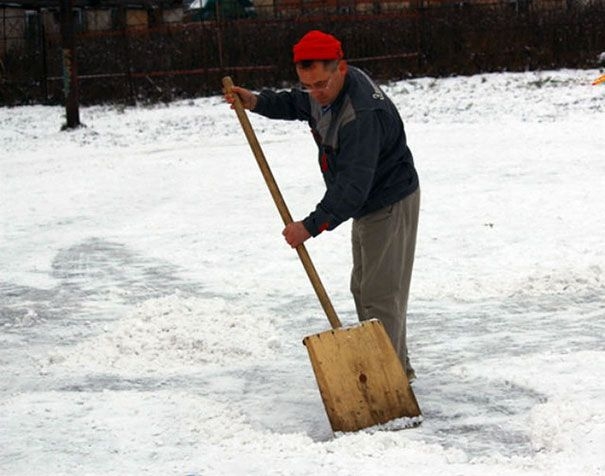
(368, 171)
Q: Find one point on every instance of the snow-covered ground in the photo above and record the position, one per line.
(151, 316)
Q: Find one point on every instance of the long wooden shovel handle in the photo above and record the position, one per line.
(281, 204)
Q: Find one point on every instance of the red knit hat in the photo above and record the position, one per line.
(317, 45)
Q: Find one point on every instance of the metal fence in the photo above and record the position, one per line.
(175, 60)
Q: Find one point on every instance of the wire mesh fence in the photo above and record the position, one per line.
(161, 61)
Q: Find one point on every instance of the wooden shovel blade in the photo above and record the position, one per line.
(360, 377)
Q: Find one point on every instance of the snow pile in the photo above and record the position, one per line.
(159, 427)
(562, 424)
(173, 334)
(539, 96)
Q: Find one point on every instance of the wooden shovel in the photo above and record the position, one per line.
(360, 377)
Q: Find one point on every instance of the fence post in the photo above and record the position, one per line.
(4, 44)
(70, 70)
(129, 80)
(219, 34)
(42, 36)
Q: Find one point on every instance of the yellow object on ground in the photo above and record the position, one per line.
(599, 80)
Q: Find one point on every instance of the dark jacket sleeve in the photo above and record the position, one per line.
(289, 105)
(355, 163)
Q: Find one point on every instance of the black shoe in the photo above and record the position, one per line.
(411, 375)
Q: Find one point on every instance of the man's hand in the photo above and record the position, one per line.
(247, 97)
(296, 234)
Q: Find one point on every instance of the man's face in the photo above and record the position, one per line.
(323, 82)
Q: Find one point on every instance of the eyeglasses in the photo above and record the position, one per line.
(318, 86)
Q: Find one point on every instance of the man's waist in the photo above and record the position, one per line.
(386, 198)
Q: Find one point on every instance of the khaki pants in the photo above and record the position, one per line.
(384, 243)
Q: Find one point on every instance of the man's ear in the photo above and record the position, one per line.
(342, 66)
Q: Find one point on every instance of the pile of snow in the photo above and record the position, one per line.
(172, 334)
